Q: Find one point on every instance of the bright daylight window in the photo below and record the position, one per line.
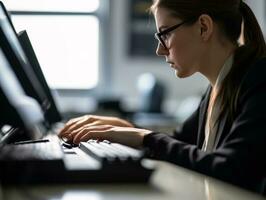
(65, 37)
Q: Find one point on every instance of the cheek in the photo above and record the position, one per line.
(185, 52)
(181, 54)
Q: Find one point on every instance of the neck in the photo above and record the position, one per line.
(214, 60)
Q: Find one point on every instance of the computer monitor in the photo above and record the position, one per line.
(17, 109)
(14, 53)
(52, 114)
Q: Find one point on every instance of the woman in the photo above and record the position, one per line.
(226, 136)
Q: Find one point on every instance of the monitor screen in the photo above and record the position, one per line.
(14, 53)
(52, 115)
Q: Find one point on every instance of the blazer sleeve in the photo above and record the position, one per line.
(188, 132)
(240, 159)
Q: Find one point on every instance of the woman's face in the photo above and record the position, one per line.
(183, 50)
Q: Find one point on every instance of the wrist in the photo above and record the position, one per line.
(144, 133)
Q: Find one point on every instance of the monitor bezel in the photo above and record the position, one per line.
(53, 114)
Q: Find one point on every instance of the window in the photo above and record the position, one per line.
(53, 6)
(65, 37)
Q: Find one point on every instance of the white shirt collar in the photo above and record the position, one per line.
(224, 71)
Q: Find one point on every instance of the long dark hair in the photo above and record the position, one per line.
(229, 15)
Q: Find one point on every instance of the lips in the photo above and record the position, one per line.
(168, 61)
(171, 64)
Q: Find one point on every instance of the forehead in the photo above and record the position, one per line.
(163, 16)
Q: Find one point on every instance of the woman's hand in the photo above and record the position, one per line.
(90, 120)
(124, 135)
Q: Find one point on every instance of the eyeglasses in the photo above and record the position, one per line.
(162, 36)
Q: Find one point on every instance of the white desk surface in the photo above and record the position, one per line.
(167, 182)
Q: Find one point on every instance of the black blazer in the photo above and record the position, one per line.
(239, 155)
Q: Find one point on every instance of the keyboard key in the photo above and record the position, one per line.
(106, 151)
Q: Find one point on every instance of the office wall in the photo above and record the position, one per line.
(259, 8)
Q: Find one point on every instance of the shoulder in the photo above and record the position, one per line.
(256, 71)
(254, 77)
(251, 96)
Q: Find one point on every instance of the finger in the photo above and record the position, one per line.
(96, 123)
(68, 124)
(99, 135)
(67, 138)
(85, 130)
(76, 137)
(91, 126)
(72, 122)
(75, 126)
(86, 120)
(76, 130)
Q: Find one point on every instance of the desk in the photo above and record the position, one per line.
(167, 182)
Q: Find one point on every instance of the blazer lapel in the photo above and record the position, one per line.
(202, 117)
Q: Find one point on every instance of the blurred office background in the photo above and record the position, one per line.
(98, 56)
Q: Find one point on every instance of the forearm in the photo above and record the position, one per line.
(223, 163)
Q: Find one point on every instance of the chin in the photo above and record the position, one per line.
(179, 74)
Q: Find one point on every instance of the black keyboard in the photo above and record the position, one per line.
(31, 161)
(45, 162)
(44, 149)
(111, 153)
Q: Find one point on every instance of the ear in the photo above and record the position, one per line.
(205, 26)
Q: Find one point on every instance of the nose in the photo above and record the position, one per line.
(161, 51)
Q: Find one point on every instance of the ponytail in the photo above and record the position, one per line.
(254, 47)
(253, 35)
